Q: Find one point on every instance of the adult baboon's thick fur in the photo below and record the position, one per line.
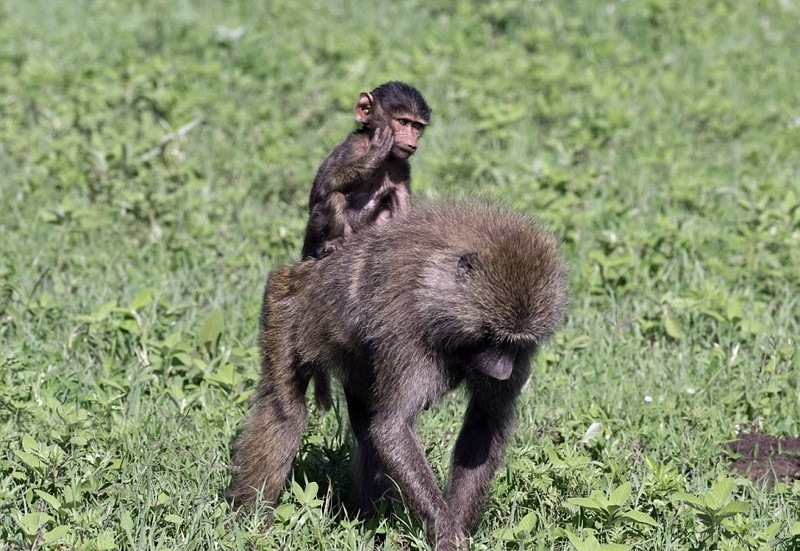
(402, 314)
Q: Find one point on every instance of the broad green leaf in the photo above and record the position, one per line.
(72, 495)
(600, 498)
(48, 216)
(681, 304)
(104, 311)
(526, 523)
(585, 502)
(590, 544)
(553, 457)
(794, 529)
(598, 257)
(51, 500)
(689, 499)
(716, 316)
(29, 459)
(719, 494)
(226, 375)
(56, 533)
(174, 519)
(29, 444)
(734, 309)
(131, 326)
(580, 342)
(113, 383)
(298, 491)
(126, 522)
(733, 508)
(176, 389)
(144, 298)
(283, 512)
(31, 522)
(639, 517)
(673, 327)
(770, 532)
(104, 541)
(311, 491)
(505, 534)
(211, 328)
(753, 326)
(183, 358)
(244, 396)
(172, 340)
(620, 495)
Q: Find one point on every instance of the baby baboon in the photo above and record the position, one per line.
(451, 294)
(366, 179)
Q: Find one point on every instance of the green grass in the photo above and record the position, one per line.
(659, 138)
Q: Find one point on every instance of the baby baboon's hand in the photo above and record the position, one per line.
(381, 144)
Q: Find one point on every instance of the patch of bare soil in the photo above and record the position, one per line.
(767, 459)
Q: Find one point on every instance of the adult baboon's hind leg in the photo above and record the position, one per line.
(369, 482)
(269, 441)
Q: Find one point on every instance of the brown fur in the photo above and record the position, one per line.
(452, 294)
(366, 179)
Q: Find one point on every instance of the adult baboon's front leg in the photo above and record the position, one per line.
(477, 454)
(401, 453)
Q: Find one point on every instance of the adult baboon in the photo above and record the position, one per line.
(451, 294)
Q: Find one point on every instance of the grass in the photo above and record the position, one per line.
(155, 160)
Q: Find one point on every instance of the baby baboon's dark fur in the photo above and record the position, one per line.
(402, 314)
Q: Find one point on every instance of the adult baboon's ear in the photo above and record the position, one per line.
(466, 264)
